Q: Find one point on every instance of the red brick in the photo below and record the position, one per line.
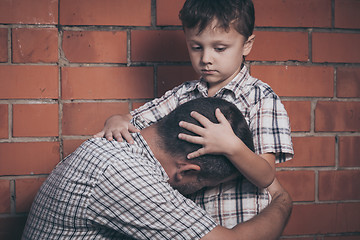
(28, 157)
(4, 196)
(35, 120)
(297, 80)
(158, 45)
(71, 145)
(107, 82)
(299, 114)
(336, 47)
(105, 12)
(172, 76)
(95, 46)
(299, 184)
(167, 12)
(4, 122)
(29, 82)
(324, 218)
(348, 82)
(279, 46)
(347, 14)
(349, 151)
(11, 227)
(136, 105)
(89, 118)
(26, 190)
(337, 116)
(339, 185)
(3, 45)
(29, 12)
(35, 45)
(312, 152)
(290, 13)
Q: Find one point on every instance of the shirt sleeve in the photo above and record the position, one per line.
(140, 205)
(271, 128)
(151, 112)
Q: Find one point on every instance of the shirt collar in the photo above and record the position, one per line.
(233, 86)
(139, 139)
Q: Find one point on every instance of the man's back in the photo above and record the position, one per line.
(62, 204)
(105, 189)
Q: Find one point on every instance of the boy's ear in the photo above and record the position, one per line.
(248, 45)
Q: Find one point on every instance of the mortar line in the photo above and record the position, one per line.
(9, 46)
(10, 121)
(12, 197)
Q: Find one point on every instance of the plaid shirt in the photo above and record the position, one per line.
(112, 190)
(267, 120)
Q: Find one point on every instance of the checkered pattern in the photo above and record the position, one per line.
(112, 190)
(261, 107)
(233, 202)
(267, 120)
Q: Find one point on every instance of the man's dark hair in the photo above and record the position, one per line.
(216, 167)
(200, 13)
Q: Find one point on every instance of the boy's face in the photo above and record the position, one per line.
(217, 54)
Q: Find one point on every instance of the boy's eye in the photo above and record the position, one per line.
(196, 48)
(220, 49)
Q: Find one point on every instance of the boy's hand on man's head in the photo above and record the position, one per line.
(119, 128)
(215, 138)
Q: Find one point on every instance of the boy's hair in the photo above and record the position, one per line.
(200, 13)
(215, 167)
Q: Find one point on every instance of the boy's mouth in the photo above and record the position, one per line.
(207, 72)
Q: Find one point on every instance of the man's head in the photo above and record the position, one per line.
(206, 170)
(218, 35)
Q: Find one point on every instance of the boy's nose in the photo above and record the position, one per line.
(206, 57)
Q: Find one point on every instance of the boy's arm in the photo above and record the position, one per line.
(219, 138)
(119, 126)
(269, 224)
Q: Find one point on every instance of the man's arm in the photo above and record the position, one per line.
(268, 225)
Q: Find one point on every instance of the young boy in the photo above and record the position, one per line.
(219, 33)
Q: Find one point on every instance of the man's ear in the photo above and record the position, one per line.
(248, 45)
(187, 169)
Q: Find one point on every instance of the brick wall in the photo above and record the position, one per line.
(66, 65)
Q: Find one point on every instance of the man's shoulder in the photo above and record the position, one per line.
(118, 150)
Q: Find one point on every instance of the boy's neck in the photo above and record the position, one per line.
(214, 88)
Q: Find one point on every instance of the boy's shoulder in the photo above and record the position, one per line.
(250, 86)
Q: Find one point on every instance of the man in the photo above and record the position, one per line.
(111, 190)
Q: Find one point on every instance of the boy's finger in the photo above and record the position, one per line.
(117, 136)
(109, 136)
(191, 139)
(133, 129)
(197, 153)
(200, 118)
(127, 136)
(192, 127)
(220, 116)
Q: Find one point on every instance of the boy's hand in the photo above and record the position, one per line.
(118, 127)
(216, 138)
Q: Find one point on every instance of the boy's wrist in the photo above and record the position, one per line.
(235, 147)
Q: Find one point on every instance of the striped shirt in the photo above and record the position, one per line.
(267, 120)
(111, 190)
